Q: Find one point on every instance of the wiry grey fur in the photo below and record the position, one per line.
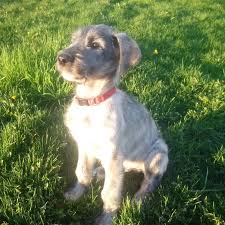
(119, 132)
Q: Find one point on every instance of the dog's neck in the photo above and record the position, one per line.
(93, 88)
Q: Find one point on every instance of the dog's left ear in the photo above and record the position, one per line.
(129, 53)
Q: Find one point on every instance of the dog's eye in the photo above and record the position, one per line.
(94, 45)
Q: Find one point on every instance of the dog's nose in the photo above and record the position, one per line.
(64, 58)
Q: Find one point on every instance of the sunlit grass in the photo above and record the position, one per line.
(180, 79)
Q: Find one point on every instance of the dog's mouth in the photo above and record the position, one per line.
(71, 76)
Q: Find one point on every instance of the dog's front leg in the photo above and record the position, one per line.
(84, 173)
(112, 190)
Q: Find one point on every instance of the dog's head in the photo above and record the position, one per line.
(97, 52)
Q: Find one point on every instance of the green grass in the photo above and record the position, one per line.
(183, 85)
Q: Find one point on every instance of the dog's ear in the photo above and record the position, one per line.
(129, 53)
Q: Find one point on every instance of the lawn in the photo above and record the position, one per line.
(180, 79)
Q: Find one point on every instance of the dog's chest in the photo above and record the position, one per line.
(93, 127)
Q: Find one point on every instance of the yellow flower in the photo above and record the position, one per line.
(155, 52)
(4, 223)
(13, 98)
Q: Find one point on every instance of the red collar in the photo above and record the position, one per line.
(97, 100)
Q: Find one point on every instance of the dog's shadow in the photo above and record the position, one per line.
(69, 162)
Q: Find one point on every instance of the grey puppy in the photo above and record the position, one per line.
(108, 125)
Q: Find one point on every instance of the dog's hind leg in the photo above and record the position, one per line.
(155, 167)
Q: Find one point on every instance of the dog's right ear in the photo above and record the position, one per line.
(129, 53)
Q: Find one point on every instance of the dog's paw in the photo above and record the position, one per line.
(105, 218)
(75, 192)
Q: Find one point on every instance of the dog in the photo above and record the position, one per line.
(109, 126)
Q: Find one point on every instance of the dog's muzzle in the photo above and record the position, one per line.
(64, 58)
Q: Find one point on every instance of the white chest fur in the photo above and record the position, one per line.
(93, 127)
